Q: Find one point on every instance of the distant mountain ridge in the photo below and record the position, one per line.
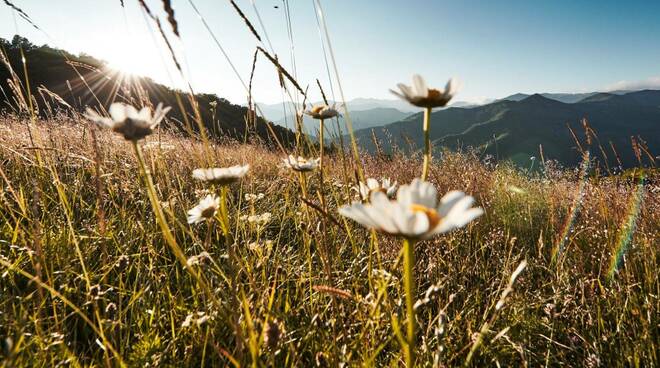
(516, 130)
(361, 119)
(561, 97)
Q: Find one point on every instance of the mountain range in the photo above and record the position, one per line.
(361, 119)
(517, 129)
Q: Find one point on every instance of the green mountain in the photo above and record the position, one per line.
(514, 130)
(361, 119)
(81, 81)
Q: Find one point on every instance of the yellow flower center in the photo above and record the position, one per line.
(431, 214)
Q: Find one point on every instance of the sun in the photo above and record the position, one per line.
(131, 57)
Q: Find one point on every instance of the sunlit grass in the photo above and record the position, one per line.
(300, 285)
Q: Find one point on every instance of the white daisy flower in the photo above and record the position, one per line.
(301, 164)
(128, 121)
(205, 210)
(254, 197)
(416, 213)
(420, 95)
(322, 111)
(372, 185)
(221, 176)
(257, 219)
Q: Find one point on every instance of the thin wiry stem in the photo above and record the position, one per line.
(409, 287)
(322, 145)
(427, 143)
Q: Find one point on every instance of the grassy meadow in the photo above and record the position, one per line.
(88, 279)
(108, 258)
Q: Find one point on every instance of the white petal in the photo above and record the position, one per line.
(418, 192)
(451, 88)
(117, 111)
(399, 95)
(383, 212)
(421, 90)
(411, 223)
(448, 201)
(356, 212)
(98, 119)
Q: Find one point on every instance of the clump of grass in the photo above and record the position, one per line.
(302, 286)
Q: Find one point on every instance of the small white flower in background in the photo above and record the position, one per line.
(195, 260)
(253, 197)
(372, 185)
(257, 219)
(158, 146)
(221, 176)
(128, 121)
(199, 318)
(322, 111)
(416, 213)
(205, 210)
(301, 164)
(255, 246)
(420, 95)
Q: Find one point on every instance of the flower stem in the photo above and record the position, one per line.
(322, 144)
(224, 214)
(409, 287)
(427, 143)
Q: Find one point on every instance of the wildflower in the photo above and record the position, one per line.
(205, 210)
(322, 112)
(416, 213)
(372, 185)
(128, 121)
(221, 176)
(199, 318)
(253, 197)
(196, 260)
(122, 262)
(301, 164)
(257, 219)
(428, 98)
(422, 96)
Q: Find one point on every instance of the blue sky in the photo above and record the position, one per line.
(495, 48)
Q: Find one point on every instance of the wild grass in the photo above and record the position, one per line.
(87, 278)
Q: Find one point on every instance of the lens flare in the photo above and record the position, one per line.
(627, 230)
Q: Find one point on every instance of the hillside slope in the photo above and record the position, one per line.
(84, 81)
(515, 129)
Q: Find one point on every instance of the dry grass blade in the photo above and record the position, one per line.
(281, 69)
(22, 14)
(333, 291)
(247, 22)
(170, 17)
